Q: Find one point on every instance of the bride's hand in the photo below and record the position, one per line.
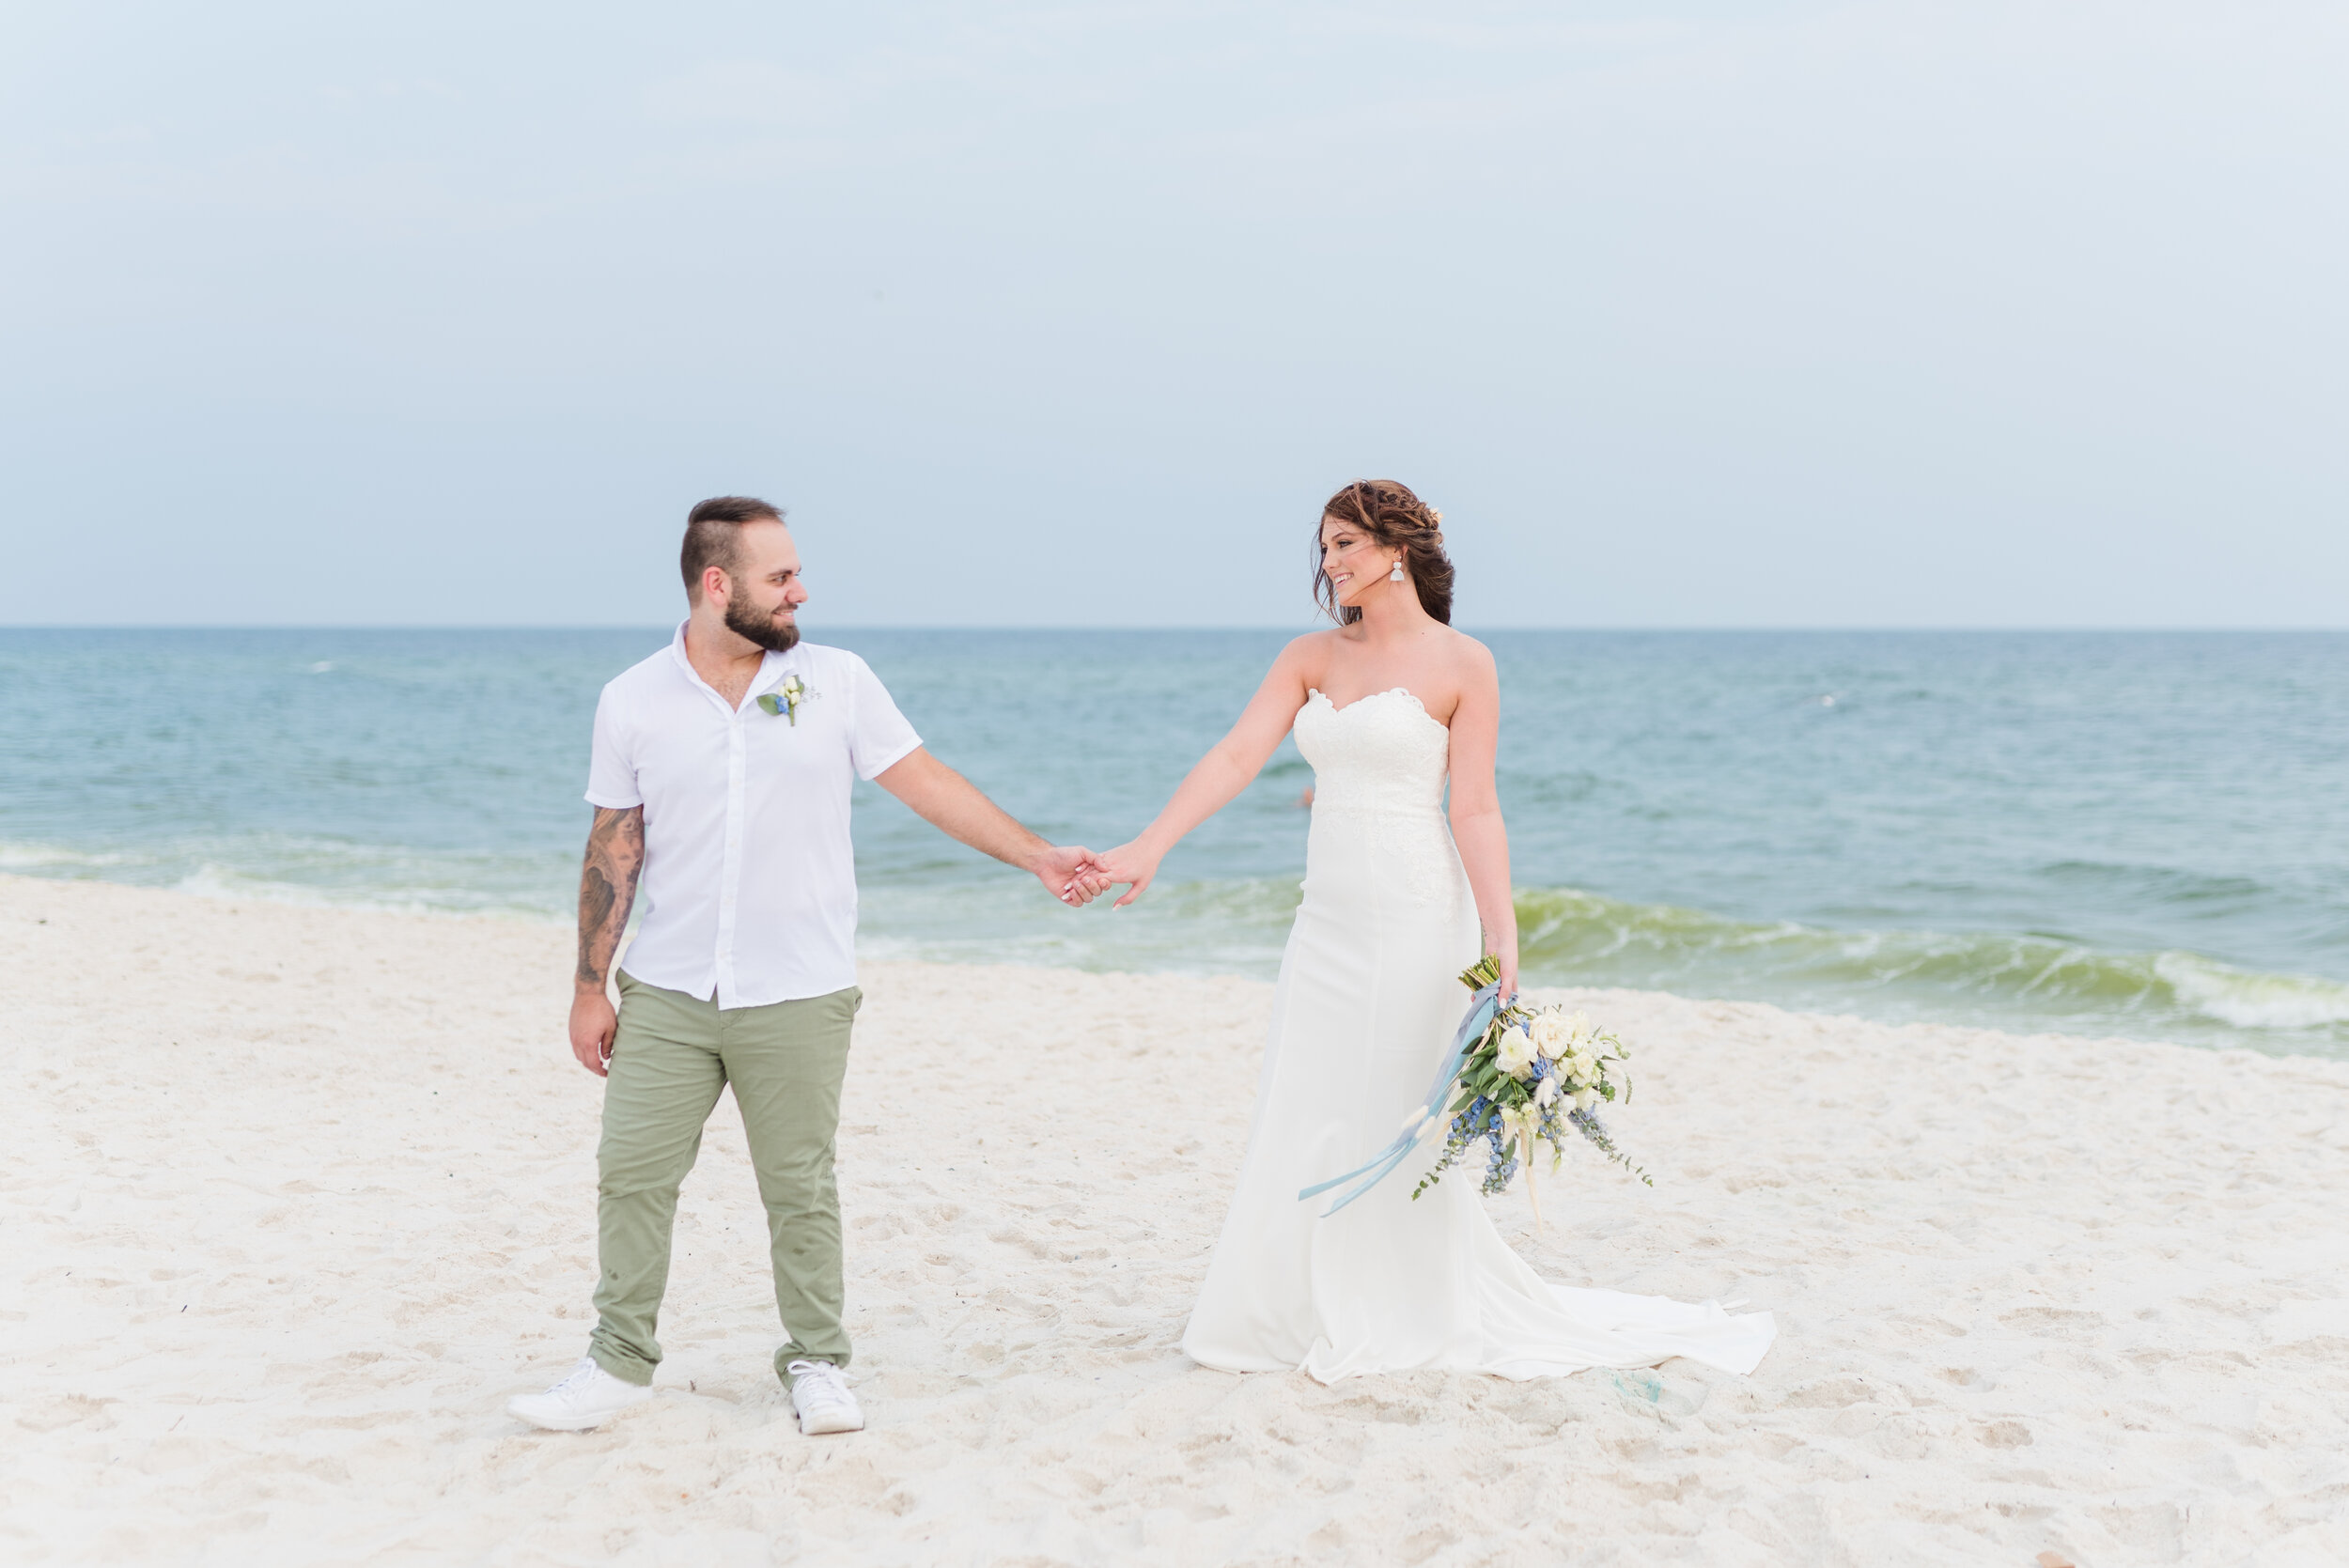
(1508, 977)
(1128, 863)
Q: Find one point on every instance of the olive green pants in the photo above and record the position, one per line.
(672, 1055)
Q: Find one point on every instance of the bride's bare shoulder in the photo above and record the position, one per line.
(1470, 659)
(1308, 657)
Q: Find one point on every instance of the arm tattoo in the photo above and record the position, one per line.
(607, 888)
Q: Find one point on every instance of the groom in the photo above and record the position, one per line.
(720, 773)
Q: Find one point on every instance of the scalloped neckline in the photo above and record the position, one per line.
(1313, 691)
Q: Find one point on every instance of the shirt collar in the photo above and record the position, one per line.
(771, 668)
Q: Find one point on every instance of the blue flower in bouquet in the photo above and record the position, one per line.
(1536, 1073)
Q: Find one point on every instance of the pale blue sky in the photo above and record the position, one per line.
(1882, 315)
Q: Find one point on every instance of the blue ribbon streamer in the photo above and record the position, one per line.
(1481, 1010)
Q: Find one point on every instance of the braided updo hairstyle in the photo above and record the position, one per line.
(1387, 511)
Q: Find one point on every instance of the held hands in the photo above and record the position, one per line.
(1076, 875)
(1128, 863)
(1071, 874)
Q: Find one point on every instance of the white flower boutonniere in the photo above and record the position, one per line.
(785, 699)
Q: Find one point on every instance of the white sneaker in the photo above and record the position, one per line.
(588, 1397)
(821, 1397)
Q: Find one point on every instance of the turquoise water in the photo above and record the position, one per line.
(2137, 833)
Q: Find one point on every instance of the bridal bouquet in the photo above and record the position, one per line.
(1534, 1073)
(1521, 1073)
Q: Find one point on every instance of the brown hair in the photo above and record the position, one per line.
(712, 530)
(1387, 511)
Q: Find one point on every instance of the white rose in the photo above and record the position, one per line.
(1515, 1052)
(1550, 1034)
(1585, 1099)
(1578, 1029)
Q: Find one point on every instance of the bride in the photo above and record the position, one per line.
(1384, 705)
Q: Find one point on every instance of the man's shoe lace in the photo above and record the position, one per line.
(582, 1375)
(822, 1381)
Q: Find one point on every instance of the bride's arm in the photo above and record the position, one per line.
(1476, 825)
(1223, 772)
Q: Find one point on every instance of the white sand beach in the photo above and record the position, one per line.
(295, 1199)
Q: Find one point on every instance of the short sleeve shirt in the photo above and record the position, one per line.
(748, 892)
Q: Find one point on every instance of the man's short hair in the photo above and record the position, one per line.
(713, 531)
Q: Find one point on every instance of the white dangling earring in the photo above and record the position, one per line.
(1397, 575)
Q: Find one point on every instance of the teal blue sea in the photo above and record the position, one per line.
(2096, 833)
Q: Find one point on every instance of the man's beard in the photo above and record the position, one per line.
(749, 624)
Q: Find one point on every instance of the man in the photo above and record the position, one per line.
(721, 771)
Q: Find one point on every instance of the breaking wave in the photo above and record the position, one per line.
(2010, 980)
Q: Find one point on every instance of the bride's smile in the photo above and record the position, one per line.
(1354, 563)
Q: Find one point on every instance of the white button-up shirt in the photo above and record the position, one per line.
(749, 885)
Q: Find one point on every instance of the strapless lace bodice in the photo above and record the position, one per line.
(1379, 832)
(1383, 753)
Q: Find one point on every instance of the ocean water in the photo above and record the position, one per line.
(2095, 832)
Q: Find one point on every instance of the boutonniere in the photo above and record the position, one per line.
(785, 699)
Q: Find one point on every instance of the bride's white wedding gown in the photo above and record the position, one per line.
(1368, 1002)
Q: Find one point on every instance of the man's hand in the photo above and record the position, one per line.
(1070, 874)
(593, 1024)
